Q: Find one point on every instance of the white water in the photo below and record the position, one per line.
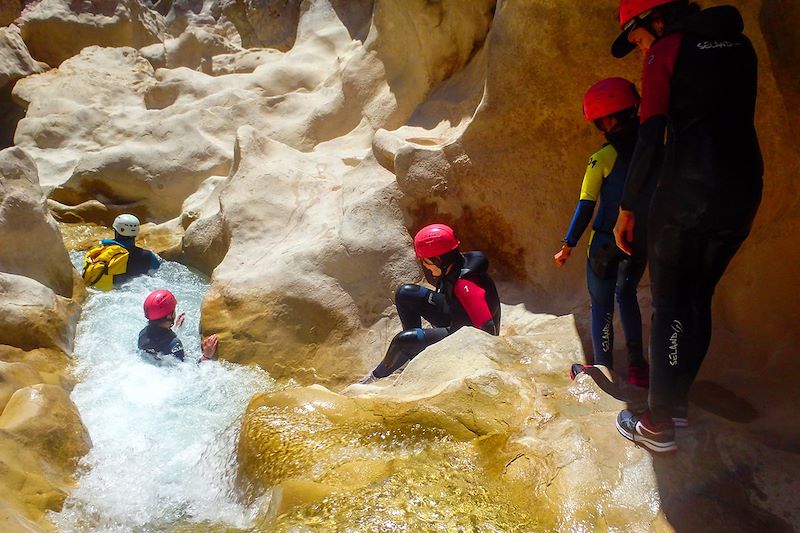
(163, 437)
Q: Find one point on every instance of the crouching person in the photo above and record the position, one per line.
(463, 295)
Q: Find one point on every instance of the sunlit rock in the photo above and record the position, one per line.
(15, 63)
(15, 59)
(194, 48)
(15, 376)
(41, 440)
(45, 420)
(33, 316)
(56, 30)
(50, 365)
(296, 286)
(30, 242)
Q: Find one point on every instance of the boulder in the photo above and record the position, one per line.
(33, 316)
(15, 63)
(297, 276)
(44, 419)
(56, 30)
(41, 441)
(30, 242)
(491, 428)
(15, 60)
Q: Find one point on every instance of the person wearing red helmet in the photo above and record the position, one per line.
(612, 105)
(697, 140)
(157, 339)
(464, 295)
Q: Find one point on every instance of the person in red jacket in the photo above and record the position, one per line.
(463, 295)
(698, 140)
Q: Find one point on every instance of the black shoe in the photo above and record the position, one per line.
(576, 369)
(637, 429)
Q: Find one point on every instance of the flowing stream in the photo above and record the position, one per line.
(163, 437)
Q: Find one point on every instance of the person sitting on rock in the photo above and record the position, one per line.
(464, 295)
(612, 104)
(157, 340)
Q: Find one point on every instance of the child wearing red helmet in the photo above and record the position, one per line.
(612, 105)
(157, 339)
(464, 295)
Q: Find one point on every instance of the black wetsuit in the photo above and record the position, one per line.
(699, 86)
(465, 297)
(158, 342)
(609, 272)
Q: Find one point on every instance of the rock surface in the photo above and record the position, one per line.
(294, 175)
(15, 63)
(31, 243)
(499, 414)
(56, 30)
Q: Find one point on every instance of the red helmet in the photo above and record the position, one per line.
(435, 240)
(159, 304)
(609, 96)
(629, 11)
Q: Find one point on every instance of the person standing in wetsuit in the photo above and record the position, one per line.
(157, 339)
(699, 85)
(140, 261)
(464, 295)
(612, 105)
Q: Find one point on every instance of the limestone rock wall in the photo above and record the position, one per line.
(500, 149)
(41, 434)
(28, 234)
(15, 63)
(55, 30)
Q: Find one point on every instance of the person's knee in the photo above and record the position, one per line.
(407, 292)
(408, 340)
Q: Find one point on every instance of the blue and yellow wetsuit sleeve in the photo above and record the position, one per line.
(599, 166)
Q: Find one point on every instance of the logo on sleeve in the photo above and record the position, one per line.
(592, 162)
(710, 45)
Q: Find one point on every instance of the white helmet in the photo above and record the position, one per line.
(126, 225)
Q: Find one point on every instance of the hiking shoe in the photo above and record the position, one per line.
(576, 369)
(638, 429)
(680, 416)
(639, 375)
(366, 380)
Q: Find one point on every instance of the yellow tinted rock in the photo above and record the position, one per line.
(47, 422)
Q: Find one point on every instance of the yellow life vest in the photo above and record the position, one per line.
(102, 263)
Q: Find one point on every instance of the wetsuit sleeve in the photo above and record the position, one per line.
(176, 348)
(580, 220)
(598, 168)
(659, 65)
(473, 300)
(155, 262)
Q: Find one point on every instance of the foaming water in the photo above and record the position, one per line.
(163, 437)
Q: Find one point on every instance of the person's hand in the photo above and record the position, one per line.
(562, 255)
(623, 230)
(180, 319)
(209, 346)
